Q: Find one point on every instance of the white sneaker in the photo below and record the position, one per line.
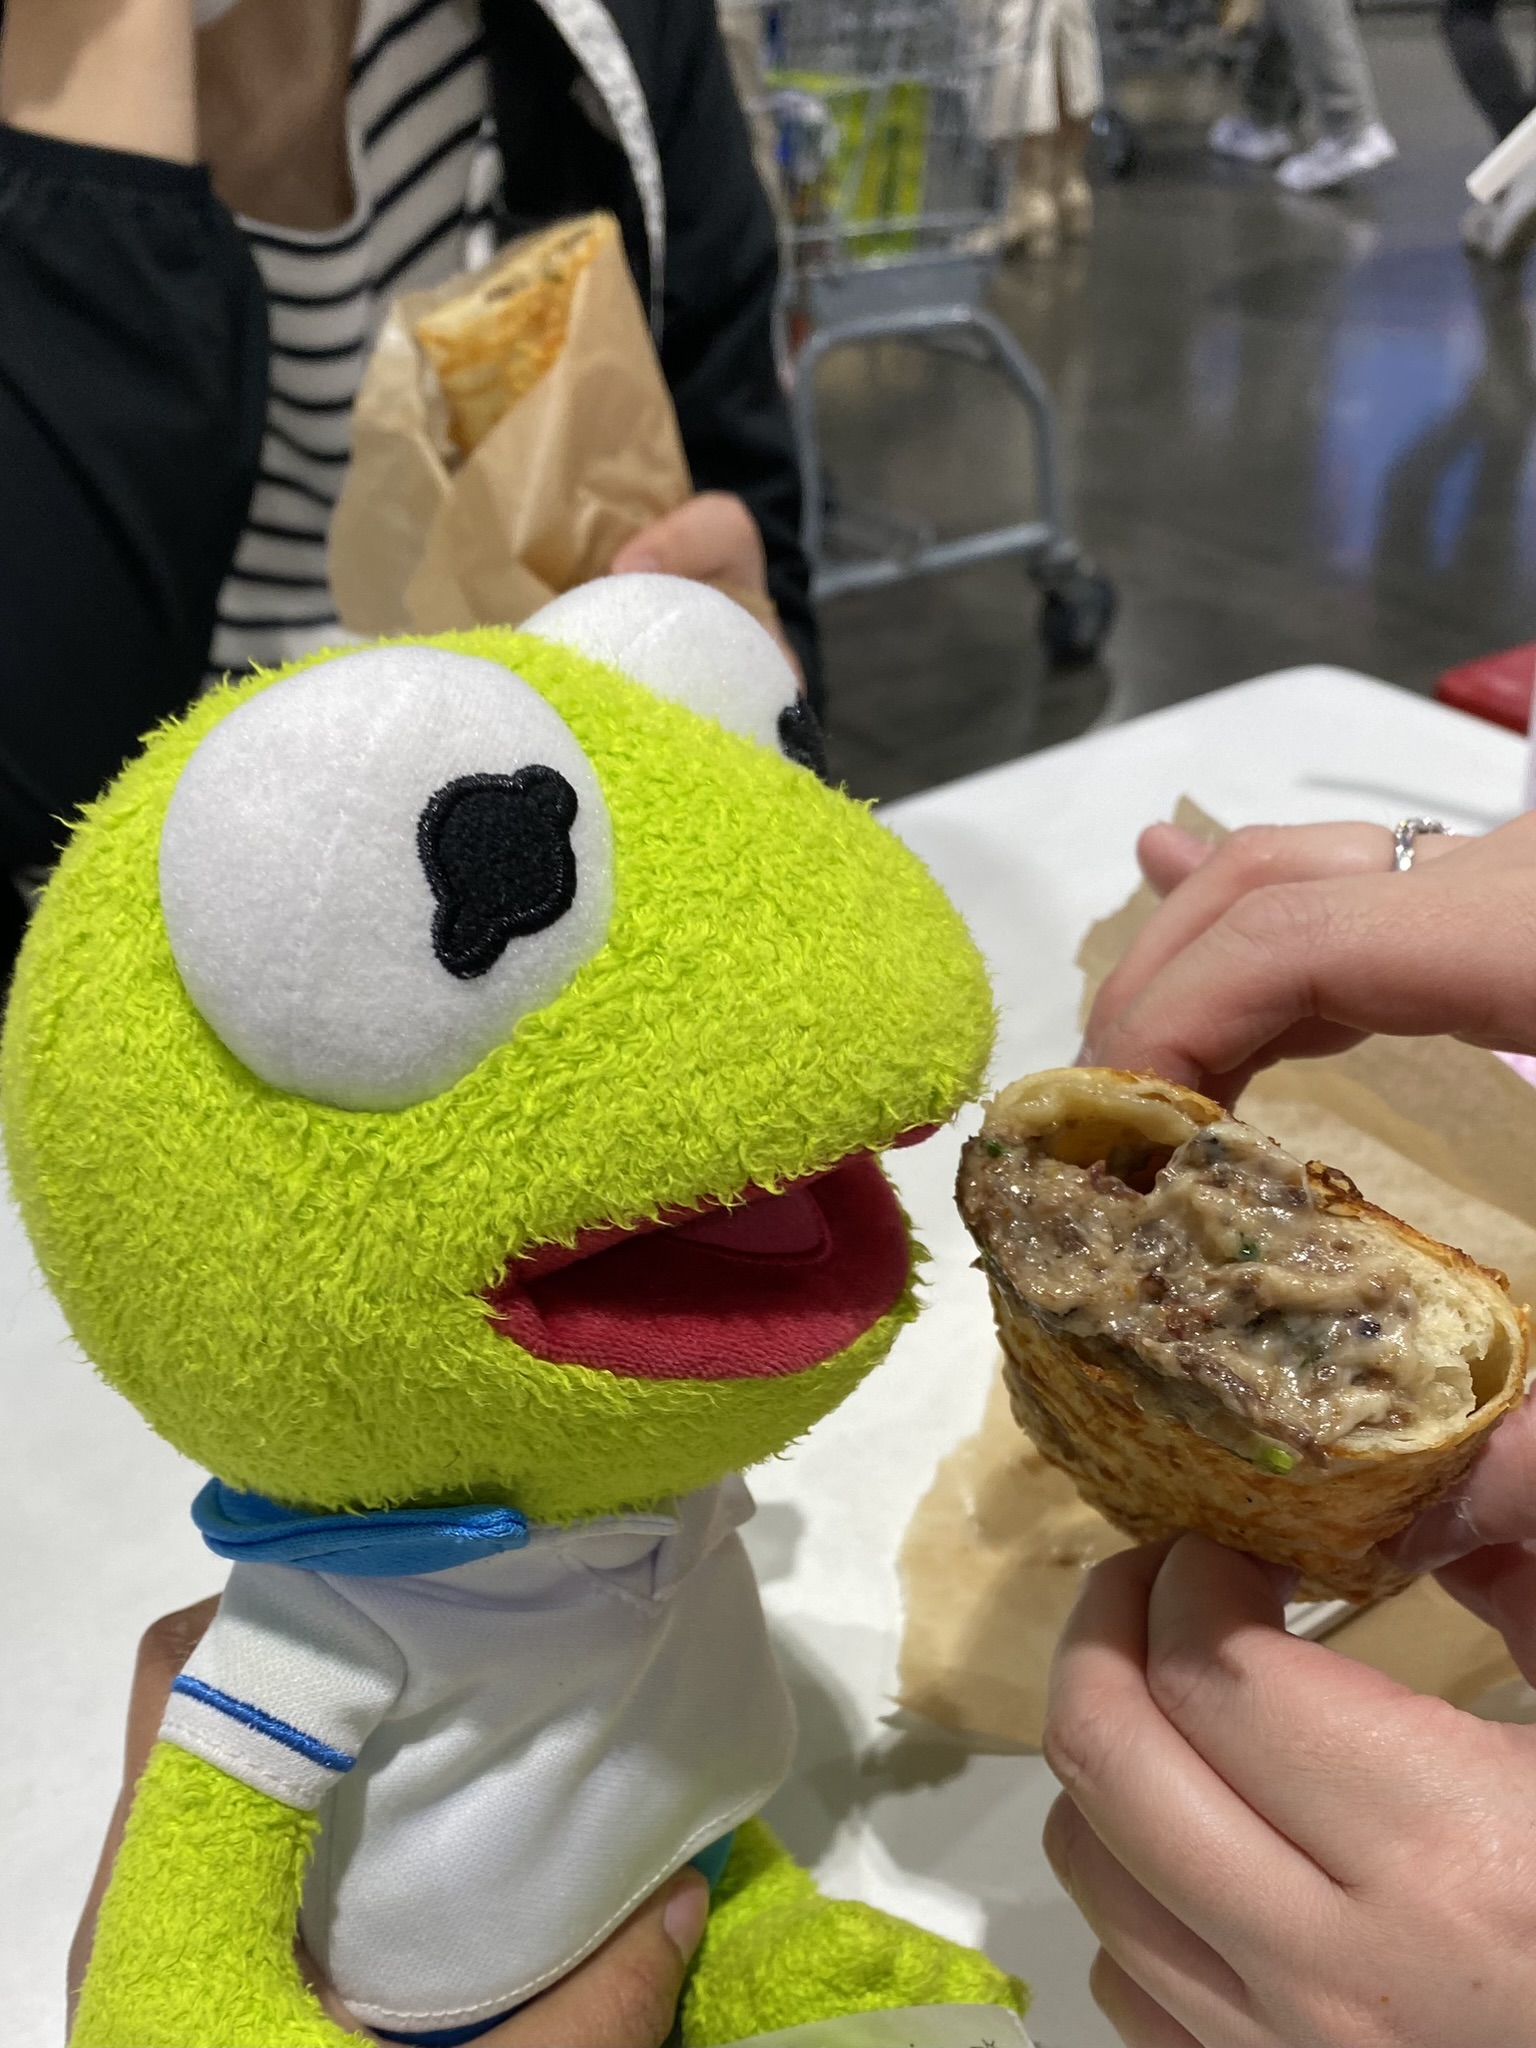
(1236, 136)
(1502, 229)
(1333, 161)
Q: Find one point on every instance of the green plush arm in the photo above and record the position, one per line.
(194, 1943)
(777, 1954)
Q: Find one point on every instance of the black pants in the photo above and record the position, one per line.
(133, 381)
(1486, 62)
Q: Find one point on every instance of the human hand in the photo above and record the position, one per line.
(711, 538)
(1276, 1845)
(1292, 941)
(624, 1996)
(1301, 939)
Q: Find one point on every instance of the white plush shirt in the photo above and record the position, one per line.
(507, 1756)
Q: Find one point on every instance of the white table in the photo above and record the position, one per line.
(93, 1509)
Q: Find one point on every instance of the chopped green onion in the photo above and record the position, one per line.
(1247, 1249)
(1274, 1458)
(994, 1149)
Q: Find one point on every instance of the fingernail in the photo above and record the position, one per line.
(640, 562)
(1085, 1056)
(1203, 847)
(685, 1914)
(1439, 1536)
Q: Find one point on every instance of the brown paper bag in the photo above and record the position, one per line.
(1438, 1132)
(421, 543)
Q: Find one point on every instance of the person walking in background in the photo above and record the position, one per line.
(1309, 65)
(1041, 95)
(1501, 229)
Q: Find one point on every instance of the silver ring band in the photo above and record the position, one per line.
(1405, 835)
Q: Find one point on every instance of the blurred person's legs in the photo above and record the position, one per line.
(1264, 131)
(1487, 64)
(1500, 229)
(1032, 223)
(1334, 77)
(1080, 94)
(1051, 87)
(1309, 60)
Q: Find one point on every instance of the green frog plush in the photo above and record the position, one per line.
(443, 1083)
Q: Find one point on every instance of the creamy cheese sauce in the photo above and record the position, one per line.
(1225, 1275)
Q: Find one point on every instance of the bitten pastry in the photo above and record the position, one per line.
(492, 343)
(1207, 1334)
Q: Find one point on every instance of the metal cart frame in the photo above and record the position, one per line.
(857, 273)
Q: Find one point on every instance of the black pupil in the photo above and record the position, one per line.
(800, 738)
(497, 851)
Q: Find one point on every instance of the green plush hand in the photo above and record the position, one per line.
(194, 1941)
(187, 1936)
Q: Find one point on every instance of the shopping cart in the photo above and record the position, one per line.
(891, 200)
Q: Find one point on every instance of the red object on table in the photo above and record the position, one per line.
(1497, 687)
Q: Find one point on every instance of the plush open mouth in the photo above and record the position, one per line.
(774, 1284)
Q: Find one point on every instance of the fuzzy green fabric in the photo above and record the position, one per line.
(777, 1954)
(194, 1944)
(289, 1292)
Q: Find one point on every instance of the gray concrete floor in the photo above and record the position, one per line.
(1294, 430)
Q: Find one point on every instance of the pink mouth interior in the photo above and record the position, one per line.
(774, 1285)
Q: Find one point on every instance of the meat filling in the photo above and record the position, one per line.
(1225, 1279)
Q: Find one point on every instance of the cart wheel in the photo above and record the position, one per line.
(1075, 617)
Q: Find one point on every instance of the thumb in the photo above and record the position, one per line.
(1495, 1504)
(639, 557)
(1168, 855)
(624, 1996)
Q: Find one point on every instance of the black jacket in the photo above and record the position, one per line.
(721, 254)
(133, 376)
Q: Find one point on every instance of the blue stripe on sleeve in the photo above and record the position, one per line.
(307, 1746)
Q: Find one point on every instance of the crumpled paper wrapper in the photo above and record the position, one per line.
(1440, 1133)
(422, 543)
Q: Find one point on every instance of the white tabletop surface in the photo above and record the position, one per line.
(93, 1509)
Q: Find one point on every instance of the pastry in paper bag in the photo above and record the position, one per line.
(1207, 1334)
(513, 430)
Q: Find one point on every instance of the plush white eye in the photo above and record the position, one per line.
(371, 871)
(692, 645)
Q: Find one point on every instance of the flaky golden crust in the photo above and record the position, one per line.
(493, 342)
(1088, 1409)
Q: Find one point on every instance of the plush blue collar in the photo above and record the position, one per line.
(402, 1543)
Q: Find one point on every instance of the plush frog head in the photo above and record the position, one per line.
(450, 1071)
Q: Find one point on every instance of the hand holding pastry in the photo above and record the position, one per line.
(711, 538)
(1273, 1843)
(1300, 940)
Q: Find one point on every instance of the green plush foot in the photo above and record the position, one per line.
(777, 1954)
